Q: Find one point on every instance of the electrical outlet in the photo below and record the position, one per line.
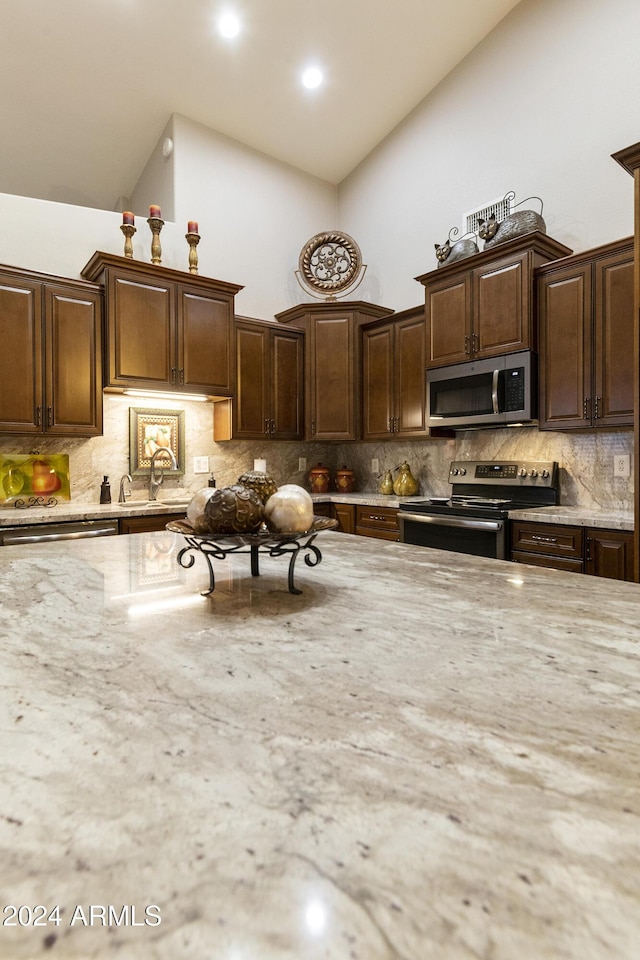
(201, 464)
(375, 465)
(302, 463)
(621, 467)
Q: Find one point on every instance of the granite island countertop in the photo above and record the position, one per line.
(424, 756)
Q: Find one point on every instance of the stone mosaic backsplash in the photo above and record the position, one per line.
(586, 459)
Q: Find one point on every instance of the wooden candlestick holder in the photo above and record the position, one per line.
(128, 229)
(155, 225)
(193, 239)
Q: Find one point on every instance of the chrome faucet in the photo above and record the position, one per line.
(124, 494)
(154, 482)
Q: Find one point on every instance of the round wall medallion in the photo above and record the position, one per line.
(330, 262)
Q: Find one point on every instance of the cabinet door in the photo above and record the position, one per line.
(21, 356)
(502, 313)
(205, 346)
(410, 376)
(141, 333)
(610, 554)
(614, 362)
(564, 306)
(287, 384)
(331, 378)
(251, 404)
(345, 514)
(73, 362)
(378, 382)
(448, 315)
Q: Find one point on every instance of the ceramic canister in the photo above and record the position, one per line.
(345, 480)
(319, 479)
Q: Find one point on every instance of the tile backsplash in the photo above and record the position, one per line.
(586, 459)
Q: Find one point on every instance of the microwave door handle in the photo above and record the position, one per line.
(494, 391)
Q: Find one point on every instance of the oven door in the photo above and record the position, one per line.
(478, 537)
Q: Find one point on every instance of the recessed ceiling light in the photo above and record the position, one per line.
(312, 77)
(229, 25)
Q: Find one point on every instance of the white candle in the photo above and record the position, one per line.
(260, 466)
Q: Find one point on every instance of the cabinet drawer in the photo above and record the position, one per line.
(379, 522)
(550, 539)
(552, 563)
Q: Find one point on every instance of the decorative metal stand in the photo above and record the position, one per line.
(155, 225)
(272, 544)
(35, 502)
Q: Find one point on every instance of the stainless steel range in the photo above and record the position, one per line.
(475, 517)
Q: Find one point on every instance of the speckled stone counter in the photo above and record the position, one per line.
(423, 756)
(578, 517)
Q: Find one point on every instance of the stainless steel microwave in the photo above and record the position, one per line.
(483, 393)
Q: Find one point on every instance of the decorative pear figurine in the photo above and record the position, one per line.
(386, 484)
(405, 484)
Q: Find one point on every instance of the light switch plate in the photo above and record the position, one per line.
(201, 464)
(302, 463)
(375, 465)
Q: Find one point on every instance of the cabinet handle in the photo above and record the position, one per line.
(313, 427)
(475, 342)
(396, 421)
(538, 536)
(466, 345)
(173, 374)
(38, 413)
(273, 426)
(585, 408)
(181, 375)
(49, 416)
(588, 557)
(390, 428)
(596, 414)
(266, 425)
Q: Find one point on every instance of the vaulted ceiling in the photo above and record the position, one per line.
(88, 85)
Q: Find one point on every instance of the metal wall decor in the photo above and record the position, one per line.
(330, 264)
(515, 224)
(150, 430)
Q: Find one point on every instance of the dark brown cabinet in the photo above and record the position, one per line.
(379, 522)
(166, 330)
(597, 552)
(393, 377)
(344, 513)
(51, 358)
(332, 365)
(147, 524)
(269, 391)
(483, 306)
(585, 308)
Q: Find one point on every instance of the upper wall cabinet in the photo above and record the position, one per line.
(332, 364)
(483, 306)
(166, 330)
(51, 358)
(393, 377)
(269, 397)
(586, 315)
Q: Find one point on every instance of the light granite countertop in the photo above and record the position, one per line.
(77, 510)
(424, 756)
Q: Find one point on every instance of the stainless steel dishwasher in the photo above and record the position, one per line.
(66, 530)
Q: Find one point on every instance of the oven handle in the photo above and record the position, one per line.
(494, 391)
(465, 522)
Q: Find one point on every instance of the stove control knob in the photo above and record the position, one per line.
(463, 471)
(522, 472)
(545, 474)
(455, 471)
(534, 473)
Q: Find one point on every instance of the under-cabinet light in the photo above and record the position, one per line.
(155, 395)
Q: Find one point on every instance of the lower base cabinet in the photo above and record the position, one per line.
(148, 524)
(344, 513)
(380, 522)
(596, 552)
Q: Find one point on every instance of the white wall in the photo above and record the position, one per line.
(254, 213)
(537, 108)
